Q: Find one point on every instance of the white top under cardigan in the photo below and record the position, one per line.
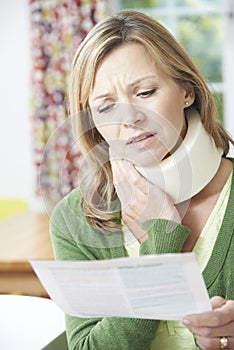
(174, 335)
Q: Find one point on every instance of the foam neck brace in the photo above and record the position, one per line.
(191, 167)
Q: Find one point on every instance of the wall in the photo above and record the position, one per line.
(16, 178)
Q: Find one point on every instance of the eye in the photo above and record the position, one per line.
(146, 93)
(105, 108)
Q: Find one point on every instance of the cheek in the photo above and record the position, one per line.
(173, 112)
(112, 135)
(108, 132)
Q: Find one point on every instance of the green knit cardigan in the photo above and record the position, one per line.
(74, 239)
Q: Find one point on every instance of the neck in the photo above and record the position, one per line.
(195, 212)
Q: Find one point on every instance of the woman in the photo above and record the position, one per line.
(133, 90)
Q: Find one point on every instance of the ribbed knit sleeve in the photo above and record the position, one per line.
(95, 333)
(163, 237)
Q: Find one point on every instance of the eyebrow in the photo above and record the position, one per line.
(142, 79)
(135, 82)
(101, 96)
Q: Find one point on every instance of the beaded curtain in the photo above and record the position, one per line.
(57, 27)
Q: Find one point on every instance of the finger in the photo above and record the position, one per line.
(115, 167)
(215, 318)
(217, 302)
(205, 319)
(213, 343)
(134, 176)
(135, 227)
(207, 343)
(124, 169)
(213, 332)
(118, 170)
(127, 191)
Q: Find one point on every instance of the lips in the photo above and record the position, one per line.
(140, 138)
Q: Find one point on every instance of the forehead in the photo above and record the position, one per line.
(128, 57)
(126, 64)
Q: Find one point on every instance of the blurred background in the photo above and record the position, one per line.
(39, 159)
(38, 39)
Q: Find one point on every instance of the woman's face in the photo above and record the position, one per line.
(136, 107)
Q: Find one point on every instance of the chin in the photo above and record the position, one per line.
(144, 160)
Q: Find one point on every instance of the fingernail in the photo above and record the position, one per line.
(186, 322)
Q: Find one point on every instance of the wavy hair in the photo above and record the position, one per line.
(97, 190)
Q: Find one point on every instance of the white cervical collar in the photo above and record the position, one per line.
(191, 167)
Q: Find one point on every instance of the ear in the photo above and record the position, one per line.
(189, 97)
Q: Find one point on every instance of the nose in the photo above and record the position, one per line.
(132, 115)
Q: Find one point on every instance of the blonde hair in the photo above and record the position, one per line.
(98, 193)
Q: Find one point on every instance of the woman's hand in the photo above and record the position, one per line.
(140, 200)
(214, 327)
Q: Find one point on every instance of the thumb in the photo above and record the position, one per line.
(217, 302)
